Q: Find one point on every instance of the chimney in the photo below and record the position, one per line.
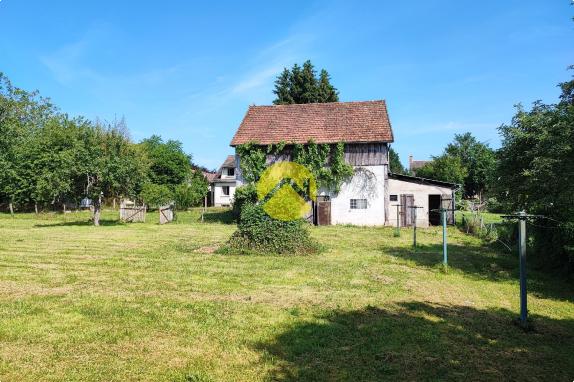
(411, 162)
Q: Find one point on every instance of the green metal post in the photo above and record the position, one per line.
(398, 231)
(414, 211)
(444, 246)
(522, 255)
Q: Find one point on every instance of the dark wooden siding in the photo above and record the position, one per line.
(366, 154)
(356, 154)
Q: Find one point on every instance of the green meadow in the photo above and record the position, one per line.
(144, 302)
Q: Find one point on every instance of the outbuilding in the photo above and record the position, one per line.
(413, 196)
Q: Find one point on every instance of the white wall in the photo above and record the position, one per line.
(367, 183)
(218, 198)
(420, 193)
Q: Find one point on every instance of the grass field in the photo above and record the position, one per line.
(147, 302)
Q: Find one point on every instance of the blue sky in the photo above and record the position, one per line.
(189, 70)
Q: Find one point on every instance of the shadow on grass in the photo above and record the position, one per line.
(485, 262)
(222, 217)
(103, 222)
(421, 341)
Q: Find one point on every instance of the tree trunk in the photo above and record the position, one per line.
(114, 204)
(11, 208)
(36, 208)
(97, 210)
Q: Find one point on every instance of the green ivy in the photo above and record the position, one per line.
(325, 161)
(252, 161)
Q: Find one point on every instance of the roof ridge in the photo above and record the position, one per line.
(318, 103)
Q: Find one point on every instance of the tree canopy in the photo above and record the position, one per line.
(395, 164)
(478, 159)
(48, 158)
(444, 167)
(535, 173)
(301, 85)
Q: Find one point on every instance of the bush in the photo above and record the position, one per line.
(156, 195)
(259, 233)
(243, 194)
(190, 194)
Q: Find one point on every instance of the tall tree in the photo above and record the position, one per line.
(110, 166)
(301, 85)
(395, 164)
(479, 160)
(536, 171)
(446, 168)
(22, 114)
(169, 164)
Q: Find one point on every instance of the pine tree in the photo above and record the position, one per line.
(326, 91)
(301, 85)
(282, 86)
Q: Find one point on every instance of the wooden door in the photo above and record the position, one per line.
(323, 211)
(407, 201)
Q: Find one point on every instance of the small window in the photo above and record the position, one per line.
(231, 171)
(225, 190)
(358, 204)
(394, 198)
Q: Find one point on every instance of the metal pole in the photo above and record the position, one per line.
(444, 247)
(415, 227)
(522, 255)
(398, 232)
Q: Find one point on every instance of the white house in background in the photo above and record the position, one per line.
(223, 184)
(370, 196)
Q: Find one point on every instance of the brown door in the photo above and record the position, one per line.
(407, 201)
(323, 211)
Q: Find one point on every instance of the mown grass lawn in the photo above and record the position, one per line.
(147, 302)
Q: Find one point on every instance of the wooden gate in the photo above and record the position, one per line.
(132, 213)
(323, 210)
(166, 214)
(407, 201)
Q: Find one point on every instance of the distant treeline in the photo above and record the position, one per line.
(48, 159)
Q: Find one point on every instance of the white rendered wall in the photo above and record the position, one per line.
(218, 198)
(420, 194)
(367, 183)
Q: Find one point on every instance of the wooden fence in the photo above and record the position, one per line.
(165, 214)
(132, 213)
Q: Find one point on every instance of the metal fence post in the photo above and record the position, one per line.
(398, 230)
(415, 227)
(444, 246)
(522, 255)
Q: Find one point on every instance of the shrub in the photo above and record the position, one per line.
(259, 233)
(156, 195)
(243, 194)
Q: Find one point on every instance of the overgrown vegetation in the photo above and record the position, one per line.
(325, 161)
(536, 172)
(259, 233)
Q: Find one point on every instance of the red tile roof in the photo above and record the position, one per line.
(350, 122)
(210, 176)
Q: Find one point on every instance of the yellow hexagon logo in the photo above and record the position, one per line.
(284, 189)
